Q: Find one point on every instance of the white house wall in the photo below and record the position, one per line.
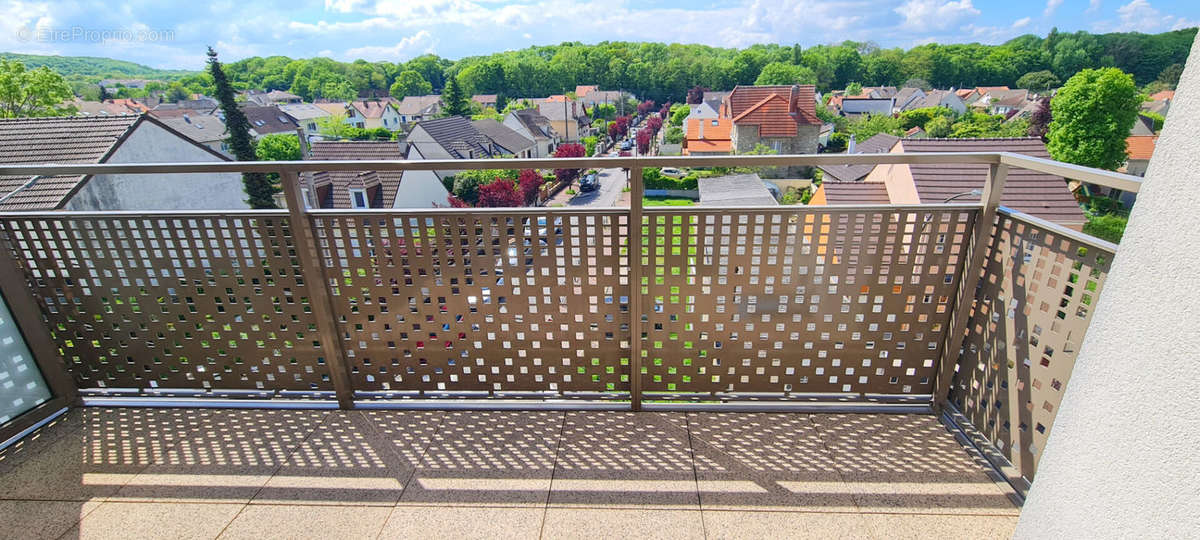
(149, 143)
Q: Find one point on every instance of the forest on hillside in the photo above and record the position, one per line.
(74, 67)
(665, 72)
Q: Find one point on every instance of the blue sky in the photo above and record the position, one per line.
(159, 34)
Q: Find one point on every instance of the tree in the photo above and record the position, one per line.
(454, 102)
(785, 74)
(241, 145)
(278, 147)
(103, 96)
(529, 182)
(1092, 115)
(866, 127)
(695, 95)
(1156, 118)
(1039, 121)
(674, 135)
(1170, 75)
(938, 127)
(410, 83)
(334, 126)
(643, 141)
(35, 92)
(176, 93)
(654, 123)
(1038, 81)
(569, 150)
(854, 89)
(919, 117)
(501, 193)
(679, 113)
(917, 82)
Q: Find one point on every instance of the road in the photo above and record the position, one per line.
(612, 181)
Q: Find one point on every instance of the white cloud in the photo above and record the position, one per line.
(997, 34)
(926, 15)
(414, 45)
(1051, 5)
(1141, 16)
(1093, 6)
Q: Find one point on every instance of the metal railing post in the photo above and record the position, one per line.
(636, 191)
(969, 271)
(318, 287)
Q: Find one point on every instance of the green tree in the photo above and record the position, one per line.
(176, 93)
(454, 102)
(34, 92)
(410, 83)
(787, 74)
(854, 89)
(674, 135)
(1039, 81)
(1092, 115)
(679, 113)
(258, 186)
(1156, 118)
(938, 127)
(1170, 75)
(334, 126)
(867, 126)
(278, 147)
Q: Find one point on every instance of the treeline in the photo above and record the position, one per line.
(94, 69)
(664, 72)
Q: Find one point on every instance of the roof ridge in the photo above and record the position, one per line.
(754, 107)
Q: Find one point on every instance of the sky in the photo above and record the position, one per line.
(159, 34)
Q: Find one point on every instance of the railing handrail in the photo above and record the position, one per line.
(1112, 179)
(1059, 230)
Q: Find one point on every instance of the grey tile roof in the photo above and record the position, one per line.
(267, 120)
(200, 128)
(855, 193)
(1042, 195)
(65, 139)
(458, 136)
(534, 121)
(877, 144)
(304, 111)
(342, 181)
(419, 105)
(735, 190)
(511, 141)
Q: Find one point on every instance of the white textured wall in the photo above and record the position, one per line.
(152, 144)
(1124, 457)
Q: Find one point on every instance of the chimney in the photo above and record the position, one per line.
(850, 145)
(701, 134)
(303, 142)
(795, 96)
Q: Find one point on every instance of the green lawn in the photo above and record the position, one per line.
(667, 201)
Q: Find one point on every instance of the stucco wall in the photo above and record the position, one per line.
(1122, 459)
(150, 143)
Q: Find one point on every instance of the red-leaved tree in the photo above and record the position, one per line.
(569, 150)
(645, 107)
(501, 193)
(614, 130)
(696, 94)
(456, 202)
(654, 123)
(622, 123)
(528, 182)
(643, 141)
(665, 111)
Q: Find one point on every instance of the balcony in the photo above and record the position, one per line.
(884, 371)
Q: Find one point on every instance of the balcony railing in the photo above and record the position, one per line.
(971, 309)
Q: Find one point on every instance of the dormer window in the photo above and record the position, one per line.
(358, 198)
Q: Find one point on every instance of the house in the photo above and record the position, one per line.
(109, 107)
(127, 83)
(368, 189)
(414, 109)
(569, 119)
(699, 111)
(860, 106)
(453, 137)
(916, 132)
(334, 108)
(878, 144)
(707, 137)
(307, 116)
(1163, 95)
(783, 118)
(1142, 125)
(1002, 101)
(1139, 148)
(879, 92)
(506, 140)
(597, 97)
(905, 97)
(485, 100)
(205, 129)
(1041, 195)
(111, 139)
(1161, 106)
(581, 91)
(833, 192)
(378, 113)
(937, 98)
(967, 95)
(1026, 111)
(735, 190)
(268, 120)
(532, 125)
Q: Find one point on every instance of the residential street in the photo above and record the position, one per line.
(612, 181)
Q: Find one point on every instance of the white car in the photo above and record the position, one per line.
(672, 172)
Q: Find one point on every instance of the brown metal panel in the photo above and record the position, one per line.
(518, 300)
(212, 302)
(799, 300)
(637, 284)
(30, 418)
(1035, 301)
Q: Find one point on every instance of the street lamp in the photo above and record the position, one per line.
(973, 192)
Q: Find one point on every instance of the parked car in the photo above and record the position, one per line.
(627, 144)
(589, 182)
(671, 172)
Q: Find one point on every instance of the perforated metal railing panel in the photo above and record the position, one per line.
(1031, 311)
(189, 301)
(798, 300)
(527, 300)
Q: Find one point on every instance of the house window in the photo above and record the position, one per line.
(359, 125)
(777, 146)
(358, 198)
(312, 126)
(304, 195)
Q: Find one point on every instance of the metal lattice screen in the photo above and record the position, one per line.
(1033, 306)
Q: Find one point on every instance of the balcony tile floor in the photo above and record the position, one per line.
(195, 473)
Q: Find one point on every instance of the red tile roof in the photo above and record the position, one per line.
(1140, 146)
(373, 108)
(342, 181)
(704, 137)
(799, 99)
(583, 90)
(855, 193)
(1162, 94)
